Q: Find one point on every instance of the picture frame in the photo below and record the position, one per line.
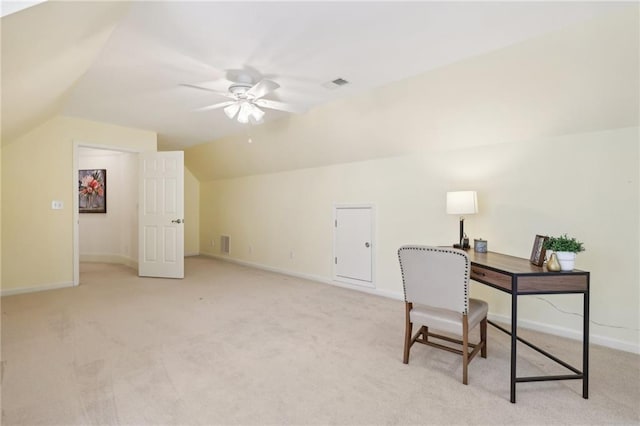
(92, 190)
(538, 251)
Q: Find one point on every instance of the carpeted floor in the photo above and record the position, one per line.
(235, 345)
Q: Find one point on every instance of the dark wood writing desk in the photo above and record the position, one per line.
(518, 277)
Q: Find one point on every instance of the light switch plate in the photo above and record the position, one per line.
(57, 205)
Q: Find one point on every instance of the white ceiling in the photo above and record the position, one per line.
(135, 75)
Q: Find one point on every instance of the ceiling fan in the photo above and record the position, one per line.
(246, 99)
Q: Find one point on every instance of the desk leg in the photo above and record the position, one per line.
(585, 347)
(514, 336)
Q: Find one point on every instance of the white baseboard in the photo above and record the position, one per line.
(532, 325)
(110, 258)
(118, 258)
(311, 277)
(569, 333)
(44, 287)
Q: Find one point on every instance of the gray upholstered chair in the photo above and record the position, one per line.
(436, 294)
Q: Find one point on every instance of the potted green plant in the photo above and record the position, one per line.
(566, 249)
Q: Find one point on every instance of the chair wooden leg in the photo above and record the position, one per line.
(425, 332)
(408, 329)
(465, 349)
(483, 337)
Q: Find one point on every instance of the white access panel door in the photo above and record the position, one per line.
(161, 215)
(353, 245)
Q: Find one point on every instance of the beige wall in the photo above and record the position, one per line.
(37, 242)
(191, 214)
(585, 185)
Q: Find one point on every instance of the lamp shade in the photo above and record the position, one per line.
(462, 202)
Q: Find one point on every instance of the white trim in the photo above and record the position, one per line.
(117, 258)
(195, 253)
(569, 333)
(76, 216)
(45, 287)
(352, 283)
(110, 258)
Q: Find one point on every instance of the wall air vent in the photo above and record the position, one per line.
(224, 244)
(334, 84)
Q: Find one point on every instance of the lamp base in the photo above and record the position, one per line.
(465, 246)
(463, 242)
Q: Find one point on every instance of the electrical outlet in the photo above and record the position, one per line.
(250, 249)
(57, 205)
(291, 254)
(213, 243)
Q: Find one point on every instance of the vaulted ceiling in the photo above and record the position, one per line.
(125, 63)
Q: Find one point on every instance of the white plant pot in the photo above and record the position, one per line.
(567, 260)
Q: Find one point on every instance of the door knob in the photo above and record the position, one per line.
(367, 244)
(177, 221)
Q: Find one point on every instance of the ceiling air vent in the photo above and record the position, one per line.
(335, 83)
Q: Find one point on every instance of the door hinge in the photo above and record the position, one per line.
(335, 260)
(336, 223)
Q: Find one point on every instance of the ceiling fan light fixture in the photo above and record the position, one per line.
(232, 110)
(247, 98)
(245, 111)
(256, 114)
(249, 112)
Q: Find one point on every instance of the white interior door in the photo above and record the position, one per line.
(161, 215)
(353, 245)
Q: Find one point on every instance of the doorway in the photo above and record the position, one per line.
(110, 237)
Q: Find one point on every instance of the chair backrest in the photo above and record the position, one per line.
(435, 276)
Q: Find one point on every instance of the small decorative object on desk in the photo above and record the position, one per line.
(565, 248)
(480, 245)
(538, 250)
(552, 264)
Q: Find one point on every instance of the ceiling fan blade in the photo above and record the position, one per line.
(268, 103)
(216, 106)
(194, 86)
(262, 87)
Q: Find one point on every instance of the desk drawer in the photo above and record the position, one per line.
(491, 277)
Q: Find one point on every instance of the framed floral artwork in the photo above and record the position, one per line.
(92, 191)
